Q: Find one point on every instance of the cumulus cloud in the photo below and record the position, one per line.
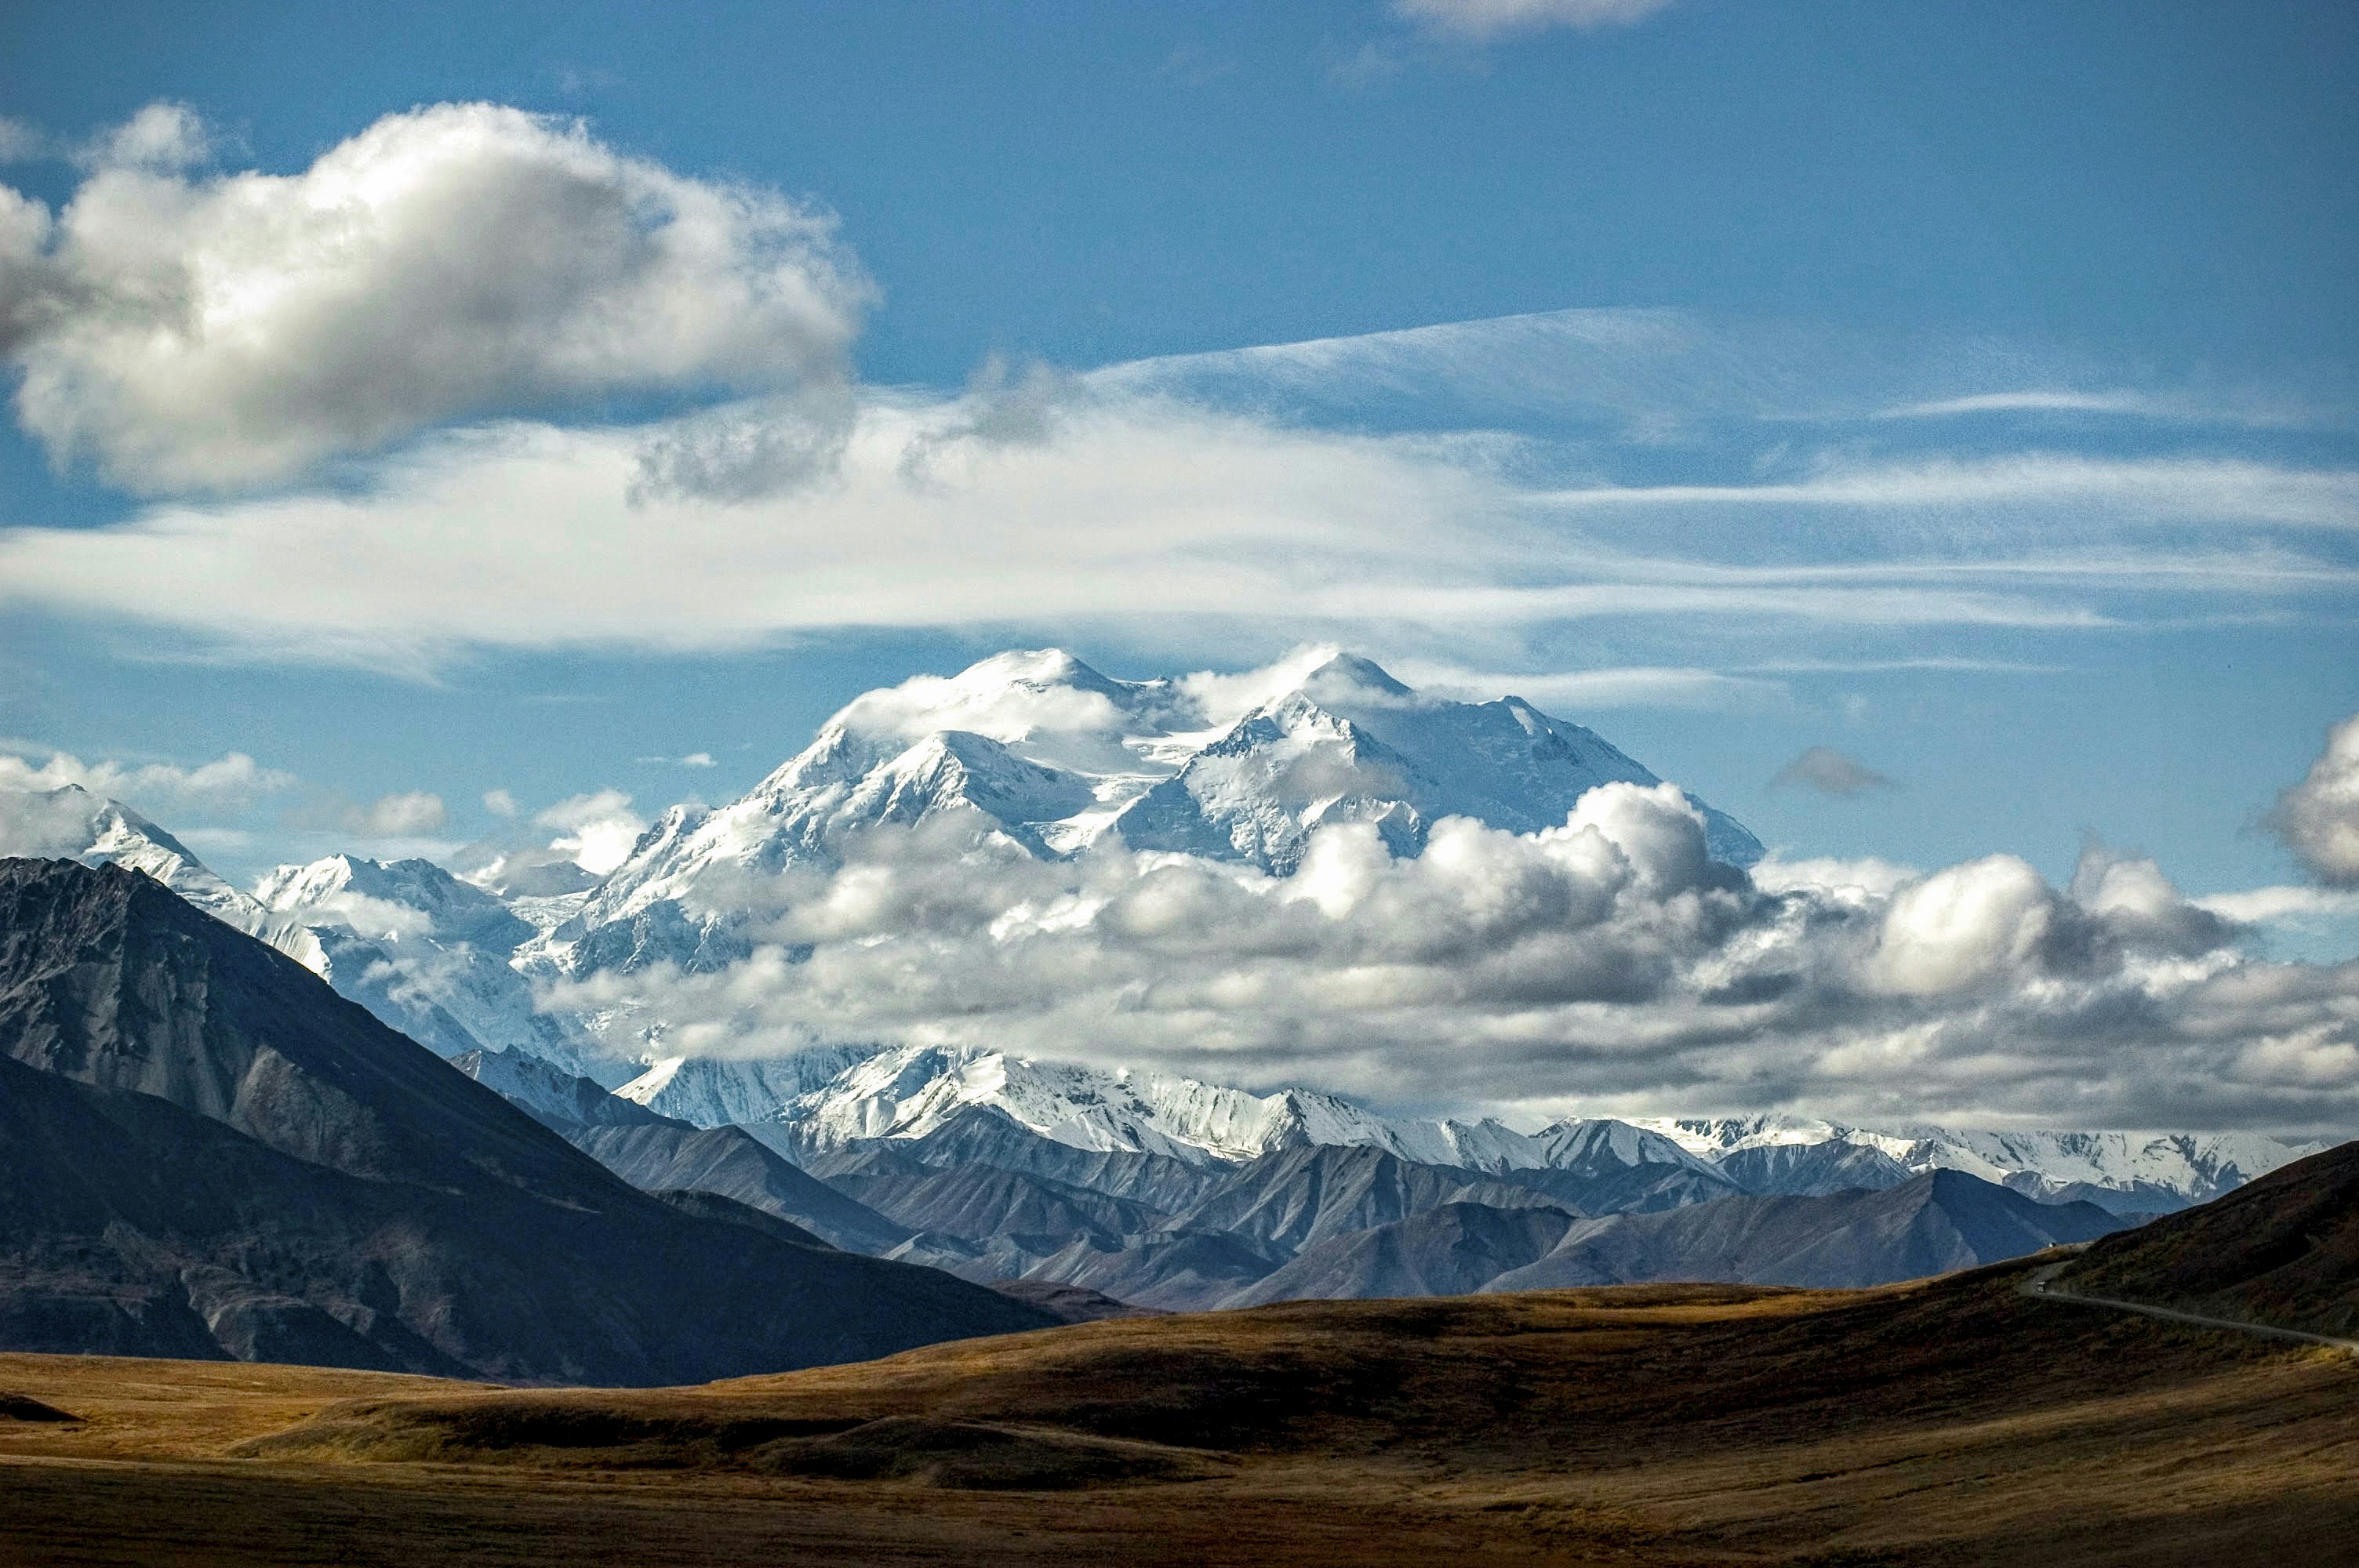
(2319, 818)
(1485, 19)
(406, 814)
(162, 137)
(1606, 964)
(227, 785)
(1830, 771)
(215, 330)
(499, 802)
(595, 830)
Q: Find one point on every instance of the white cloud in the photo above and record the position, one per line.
(1868, 876)
(1485, 19)
(1038, 503)
(227, 785)
(2032, 401)
(499, 802)
(1963, 926)
(160, 138)
(2319, 818)
(2262, 906)
(221, 330)
(1606, 961)
(2220, 490)
(406, 814)
(1830, 771)
(20, 142)
(526, 536)
(1643, 685)
(596, 829)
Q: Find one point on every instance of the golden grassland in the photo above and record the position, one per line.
(1953, 1421)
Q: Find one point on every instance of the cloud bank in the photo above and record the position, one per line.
(228, 784)
(1104, 508)
(213, 331)
(1606, 964)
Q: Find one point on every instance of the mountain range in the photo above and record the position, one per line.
(206, 1152)
(997, 1165)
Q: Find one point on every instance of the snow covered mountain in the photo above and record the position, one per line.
(911, 1093)
(430, 955)
(2127, 1172)
(71, 824)
(712, 1093)
(1056, 756)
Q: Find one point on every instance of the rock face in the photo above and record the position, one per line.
(1452, 1251)
(553, 1096)
(729, 1161)
(204, 1151)
(1929, 1225)
(2283, 1250)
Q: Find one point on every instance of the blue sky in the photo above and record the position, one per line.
(1968, 390)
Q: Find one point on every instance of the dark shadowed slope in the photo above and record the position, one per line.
(2283, 1250)
(1073, 1304)
(1174, 1272)
(1300, 1196)
(550, 1095)
(205, 1152)
(1934, 1223)
(109, 978)
(982, 1202)
(986, 1135)
(730, 1161)
(1452, 1251)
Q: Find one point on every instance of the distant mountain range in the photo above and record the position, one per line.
(1149, 1188)
(808, 1105)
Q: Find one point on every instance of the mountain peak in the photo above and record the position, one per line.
(1345, 678)
(1032, 667)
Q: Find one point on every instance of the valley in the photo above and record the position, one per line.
(1953, 1421)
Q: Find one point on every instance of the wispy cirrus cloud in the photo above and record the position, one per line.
(1140, 512)
(2227, 491)
(1636, 685)
(1484, 20)
(1450, 491)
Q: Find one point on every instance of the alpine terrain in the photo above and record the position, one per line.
(204, 1151)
